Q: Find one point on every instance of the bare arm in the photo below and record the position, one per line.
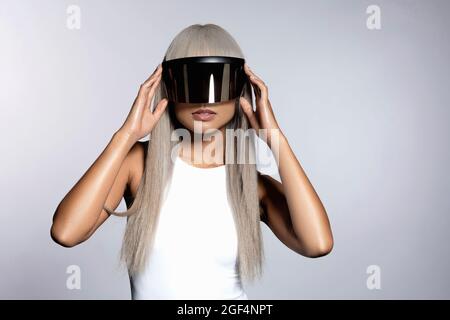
(106, 179)
(292, 209)
(81, 211)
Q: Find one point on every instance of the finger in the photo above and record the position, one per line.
(153, 87)
(147, 90)
(249, 71)
(258, 85)
(256, 90)
(147, 83)
(248, 110)
(160, 107)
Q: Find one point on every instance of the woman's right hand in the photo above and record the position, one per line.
(141, 120)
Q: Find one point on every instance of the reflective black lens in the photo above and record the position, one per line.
(204, 79)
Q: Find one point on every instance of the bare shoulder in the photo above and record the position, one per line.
(136, 163)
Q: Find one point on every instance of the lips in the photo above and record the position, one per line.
(203, 114)
(203, 110)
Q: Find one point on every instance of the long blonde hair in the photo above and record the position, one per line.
(195, 40)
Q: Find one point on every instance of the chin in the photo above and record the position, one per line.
(205, 125)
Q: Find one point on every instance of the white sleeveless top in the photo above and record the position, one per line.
(195, 248)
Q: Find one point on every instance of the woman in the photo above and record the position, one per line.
(193, 228)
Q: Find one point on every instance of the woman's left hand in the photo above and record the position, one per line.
(263, 117)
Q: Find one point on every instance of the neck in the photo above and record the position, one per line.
(205, 150)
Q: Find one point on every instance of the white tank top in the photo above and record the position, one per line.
(195, 247)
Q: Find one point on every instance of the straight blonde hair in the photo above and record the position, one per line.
(242, 179)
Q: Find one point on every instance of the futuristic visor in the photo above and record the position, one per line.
(204, 79)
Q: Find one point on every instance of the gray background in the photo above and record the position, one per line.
(366, 112)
